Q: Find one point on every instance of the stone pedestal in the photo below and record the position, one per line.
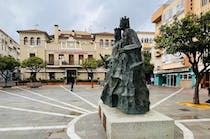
(152, 125)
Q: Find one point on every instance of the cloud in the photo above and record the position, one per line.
(92, 15)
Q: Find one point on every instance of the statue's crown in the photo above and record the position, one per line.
(124, 22)
(125, 18)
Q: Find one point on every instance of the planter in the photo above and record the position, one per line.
(86, 83)
(34, 84)
(9, 84)
(54, 83)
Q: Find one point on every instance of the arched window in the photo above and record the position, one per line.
(101, 43)
(112, 42)
(25, 41)
(32, 42)
(107, 43)
(146, 40)
(38, 41)
(142, 40)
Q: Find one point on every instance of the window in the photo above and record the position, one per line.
(2, 46)
(112, 42)
(204, 2)
(71, 59)
(25, 41)
(32, 42)
(90, 57)
(101, 43)
(107, 43)
(38, 41)
(51, 59)
(61, 56)
(32, 55)
(185, 76)
(146, 40)
(142, 40)
(81, 58)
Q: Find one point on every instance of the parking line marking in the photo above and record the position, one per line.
(164, 99)
(187, 134)
(55, 100)
(93, 105)
(32, 128)
(40, 101)
(35, 111)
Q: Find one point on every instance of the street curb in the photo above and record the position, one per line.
(71, 126)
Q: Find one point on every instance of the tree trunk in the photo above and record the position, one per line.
(196, 91)
(33, 77)
(5, 82)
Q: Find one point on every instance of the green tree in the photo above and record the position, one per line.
(189, 36)
(103, 61)
(34, 64)
(90, 65)
(7, 66)
(147, 65)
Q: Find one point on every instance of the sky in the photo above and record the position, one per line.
(83, 15)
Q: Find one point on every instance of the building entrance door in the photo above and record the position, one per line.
(70, 73)
(171, 80)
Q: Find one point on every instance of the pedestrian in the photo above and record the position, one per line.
(208, 101)
(72, 81)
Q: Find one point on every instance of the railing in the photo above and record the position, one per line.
(62, 62)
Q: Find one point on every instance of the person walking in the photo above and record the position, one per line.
(72, 81)
(208, 101)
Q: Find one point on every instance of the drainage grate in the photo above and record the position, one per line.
(184, 109)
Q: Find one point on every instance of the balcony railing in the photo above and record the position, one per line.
(63, 63)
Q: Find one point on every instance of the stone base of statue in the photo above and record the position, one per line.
(151, 125)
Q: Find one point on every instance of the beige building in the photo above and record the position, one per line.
(64, 51)
(147, 40)
(174, 70)
(8, 46)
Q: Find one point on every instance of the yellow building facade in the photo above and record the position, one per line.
(174, 70)
(64, 51)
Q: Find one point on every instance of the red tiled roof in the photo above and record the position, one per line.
(104, 33)
(86, 37)
(33, 31)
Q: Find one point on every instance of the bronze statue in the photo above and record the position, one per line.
(125, 85)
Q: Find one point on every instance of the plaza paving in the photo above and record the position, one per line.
(44, 113)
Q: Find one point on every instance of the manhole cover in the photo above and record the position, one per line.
(184, 109)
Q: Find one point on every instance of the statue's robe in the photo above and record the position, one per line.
(125, 86)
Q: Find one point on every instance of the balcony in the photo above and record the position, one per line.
(63, 64)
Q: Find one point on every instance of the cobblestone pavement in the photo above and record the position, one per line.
(43, 113)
